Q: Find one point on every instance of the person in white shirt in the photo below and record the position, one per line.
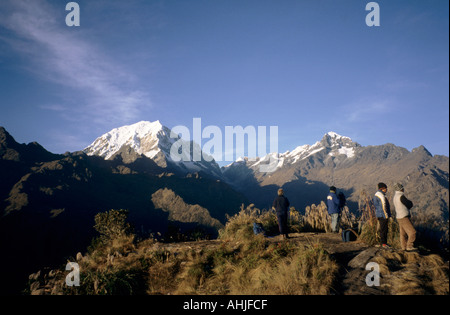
(402, 209)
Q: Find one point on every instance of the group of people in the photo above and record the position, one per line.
(383, 212)
(336, 203)
(402, 210)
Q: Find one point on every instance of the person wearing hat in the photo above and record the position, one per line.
(402, 212)
(281, 206)
(382, 212)
(333, 209)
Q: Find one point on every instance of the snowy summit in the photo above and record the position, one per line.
(143, 137)
(152, 140)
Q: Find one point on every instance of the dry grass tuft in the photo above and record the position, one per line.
(256, 267)
(409, 273)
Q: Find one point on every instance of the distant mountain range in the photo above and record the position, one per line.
(306, 173)
(48, 201)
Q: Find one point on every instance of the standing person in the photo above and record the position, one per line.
(342, 201)
(402, 212)
(382, 212)
(281, 206)
(334, 210)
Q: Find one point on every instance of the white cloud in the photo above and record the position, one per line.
(365, 110)
(60, 55)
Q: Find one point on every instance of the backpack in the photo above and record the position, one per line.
(257, 228)
(349, 236)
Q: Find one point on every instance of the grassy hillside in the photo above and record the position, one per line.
(240, 262)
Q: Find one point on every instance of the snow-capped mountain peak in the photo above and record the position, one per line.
(152, 140)
(335, 135)
(332, 144)
(338, 144)
(143, 137)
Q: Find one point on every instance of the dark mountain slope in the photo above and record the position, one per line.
(48, 205)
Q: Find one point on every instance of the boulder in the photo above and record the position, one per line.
(361, 260)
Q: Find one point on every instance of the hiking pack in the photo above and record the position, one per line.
(258, 228)
(349, 235)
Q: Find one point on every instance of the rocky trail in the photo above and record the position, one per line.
(351, 279)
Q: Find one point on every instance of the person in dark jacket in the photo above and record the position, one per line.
(382, 212)
(342, 201)
(281, 206)
(333, 209)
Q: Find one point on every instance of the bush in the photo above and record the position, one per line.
(370, 235)
(112, 224)
(110, 282)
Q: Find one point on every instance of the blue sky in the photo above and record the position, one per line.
(306, 66)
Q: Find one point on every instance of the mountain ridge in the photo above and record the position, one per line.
(333, 160)
(333, 143)
(48, 201)
(47, 205)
